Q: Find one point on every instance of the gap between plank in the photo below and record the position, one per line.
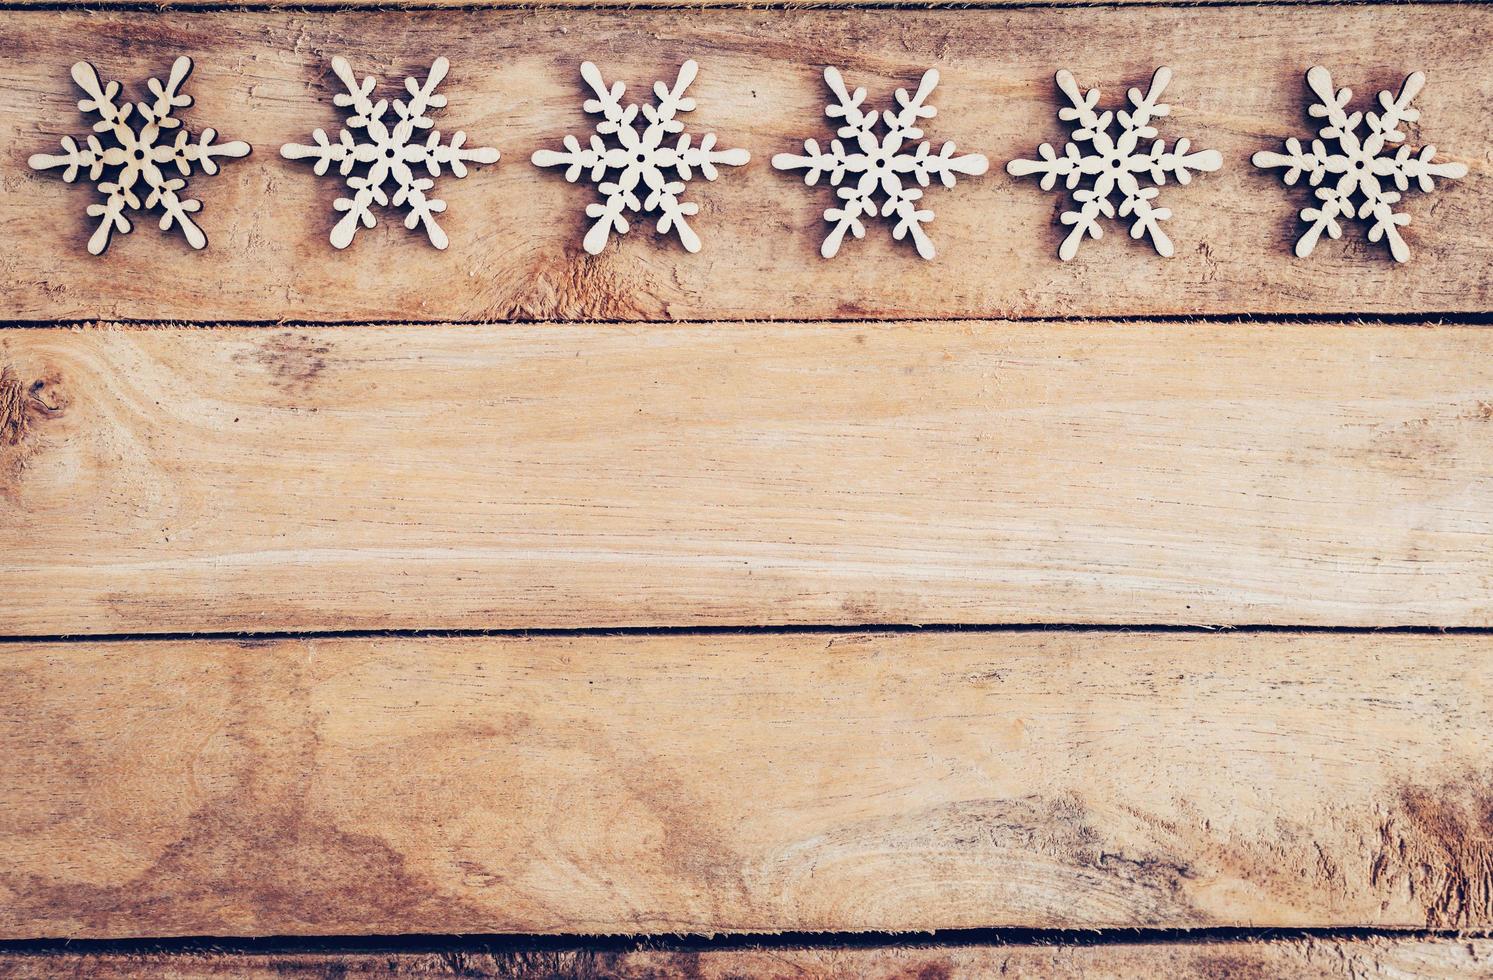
(1428, 318)
(272, 636)
(504, 943)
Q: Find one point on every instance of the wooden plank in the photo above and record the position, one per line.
(253, 479)
(1302, 959)
(516, 230)
(299, 5)
(745, 783)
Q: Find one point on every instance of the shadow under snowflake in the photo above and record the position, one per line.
(388, 152)
(1106, 163)
(140, 157)
(1363, 164)
(640, 156)
(895, 166)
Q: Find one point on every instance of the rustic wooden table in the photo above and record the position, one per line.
(511, 590)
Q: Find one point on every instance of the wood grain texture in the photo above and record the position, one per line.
(730, 783)
(170, 6)
(1384, 958)
(516, 230)
(253, 479)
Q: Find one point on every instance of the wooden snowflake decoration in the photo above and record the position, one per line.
(1107, 163)
(880, 174)
(1363, 165)
(373, 152)
(640, 156)
(141, 167)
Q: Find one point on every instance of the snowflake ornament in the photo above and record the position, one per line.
(1111, 163)
(1363, 164)
(640, 156)
(389, 151)
(882, 166)
(134, 173)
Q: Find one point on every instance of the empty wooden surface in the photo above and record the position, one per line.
(516, 230)
(548, 476)
(1299, 959)
(729, 783)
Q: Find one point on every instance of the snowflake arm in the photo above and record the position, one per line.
(413, 114)
(881, 166)
(373, 151)
(74, 159)
(168, 97)
(847, 105)
(324, 152)
(177, 210)
(117, 200)
(1081, 107)
(1353, 177)
(673, 212)
(910, 221)
(1297, 161)
(1085, 221)
(640, 172)
(129, 172)
(205, 152)
(113, 117)
(1104, 160)
(671, 100)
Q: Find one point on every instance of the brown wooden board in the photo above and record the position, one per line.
(170, 6)
(515, 254)
(1388, 958)
(255, 479)
(745, 783)
(891, 453)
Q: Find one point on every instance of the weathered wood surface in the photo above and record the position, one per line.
(169, 6)
(1380, 958)
(254, 479)
(743, 783)
(516, 230)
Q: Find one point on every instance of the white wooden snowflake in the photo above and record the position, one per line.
(389, 153)
(878, 165)
(1364, 164)
(640, 156)
(132, 174)
(1111, 163)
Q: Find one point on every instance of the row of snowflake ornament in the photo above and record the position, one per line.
(878, 163)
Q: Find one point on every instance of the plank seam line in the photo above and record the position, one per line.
(271, 636)
(1440, 318)
(517, 943)
(422, 6)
